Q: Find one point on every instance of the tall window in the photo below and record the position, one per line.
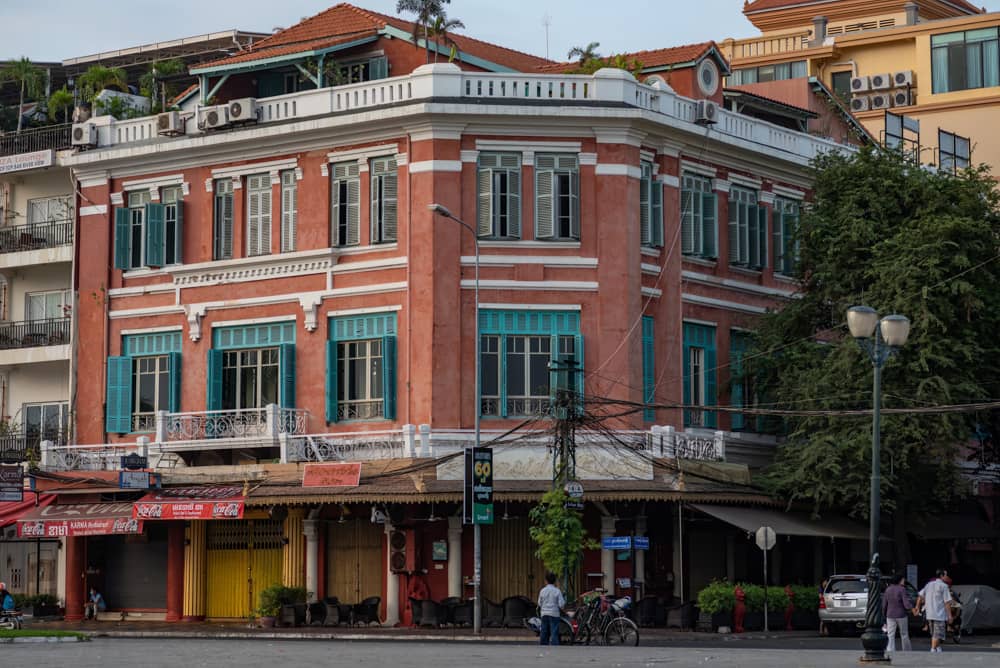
(146, 378)
(696, 365)
(45, 422)
(650, 207)
(963, 60)
(151, 383)
(289, 209)
(741, 385)
(698, 216)
(50, 210)
(557, 199)
(841, 84)
(173, 207)
(137, 201)
(747, 229)
(360, 377)
(499, 192)
(345, 204)
(786, 245)
(384, 208)
(148, 234)
(699, 374)
(258, 214)
(222, 231)
(361, 368)
(50, 305)
(249, 378)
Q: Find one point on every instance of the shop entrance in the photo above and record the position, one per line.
(510, 567)
(243, 558)
(355, 563)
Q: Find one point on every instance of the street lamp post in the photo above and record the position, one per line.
(477, 542)
(879, 338)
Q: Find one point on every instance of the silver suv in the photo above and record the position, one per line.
(843, 603)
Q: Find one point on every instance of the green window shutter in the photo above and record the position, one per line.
(544, 222)
(579, 378)
(286, 364)
(687, 222)
(709, 203)
(710, 384)
(389, 377)
(118, 408)
(656, 214)
(686, 396)
(289, 210)
(514, 202)
(331, 381)
(174, 367)
(761, 259)
(648, 368)
(213, 391)
(378, 68)
(735, 239)
(788, 230)
(645, 183)
(574, 204)
(122, 222)
(736, 350)
(484, 215)
(154, 233)
(178, 240)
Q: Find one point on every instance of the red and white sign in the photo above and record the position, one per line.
(332, 475)
(96, 519)
(198, 503)
(22, 161)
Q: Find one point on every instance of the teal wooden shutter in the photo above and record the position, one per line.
(648, 368)
(709, 207)
(710, 383)
(544, 205)
(213, 392)
(736, 250)
(174, 367)
(761, 236)
(331, 381)
(580, 378)
(178, 240)
(687, 223)
(686, 366)
(378, 68)
(154, 233)
(656, 217)
(389, 377)
(118, 408)
(484, 215)
(514, 201)
(645, 208)
(736, 383)
(286, 364)
(122, 216)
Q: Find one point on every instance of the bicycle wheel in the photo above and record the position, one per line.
(621, 631)
(565, 633)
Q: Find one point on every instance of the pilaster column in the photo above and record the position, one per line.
(310, 529)
(640, 555)
(75, 578)
(195, 559)
(175, 571)
(608, 556)
(292, 556)
(455, 557)
(391, 586)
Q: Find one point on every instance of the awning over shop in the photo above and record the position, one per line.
(191, 503)
(11, 511)
(784, 524)
(939, 527)
(78, 519)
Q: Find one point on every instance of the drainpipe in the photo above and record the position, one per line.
(819, 31)
(912, 17)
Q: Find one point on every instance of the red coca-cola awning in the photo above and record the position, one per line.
(191, 503)
(78, 519)
(11, 511)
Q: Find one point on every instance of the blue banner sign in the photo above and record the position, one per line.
(616, 543)
(642, 542)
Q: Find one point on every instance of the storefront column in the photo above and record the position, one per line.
(455, 556)
(608, 556)
(391, 587)
(75, 578)
(640, 556)
(175, 571)
(310, 529)
(292, 556)
(194, 572)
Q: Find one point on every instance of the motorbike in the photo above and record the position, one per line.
(10, 619)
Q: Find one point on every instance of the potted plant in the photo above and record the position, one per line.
(293, 606)
(806, 615)
(717, 600)
(270, 606)
(44, 605)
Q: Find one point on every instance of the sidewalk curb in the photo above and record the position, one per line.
(238, 635)
(42, 639)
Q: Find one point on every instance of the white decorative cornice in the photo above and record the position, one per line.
(93, 180)
(117, 199)
(195, 312)
(697, 168)
(721, 185)
(515, 145)
(648, 156)
(435, 130)
(627, 136)
(435, 166)
(362, 154)
(723, 304)
(790, 193)
(402, 159)
(254, 168)
(615, 169)
(747, 181)
(669, 180)
(310, 304)
(155, 182)
(766, 197)
(470, 156)
(259, 268)
(587, 159)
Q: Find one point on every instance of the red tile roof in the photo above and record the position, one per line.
(765, 5)
(345, 22)
(674, 55)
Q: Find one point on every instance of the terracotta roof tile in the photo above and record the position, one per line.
(260, 53)
(673, 55)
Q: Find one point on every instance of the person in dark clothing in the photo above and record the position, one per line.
(896, 605)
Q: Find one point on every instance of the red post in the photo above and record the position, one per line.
(739, 609)
(175, 571)
(75, 578)
(790, 609)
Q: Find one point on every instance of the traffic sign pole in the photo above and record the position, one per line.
(765, 539)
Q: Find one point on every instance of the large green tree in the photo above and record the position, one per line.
(901, 239)
(425, 12)
(28, 77)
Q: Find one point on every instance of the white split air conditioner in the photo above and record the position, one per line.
(882, 101)
(84, 134)
(860, 84)
(169, 123)
(904, 78)
(861, 103)
(707, 113)
(214, 117)
(242, 110)
(881, 81)
(903, 98)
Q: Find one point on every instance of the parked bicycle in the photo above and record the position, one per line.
(596, 619)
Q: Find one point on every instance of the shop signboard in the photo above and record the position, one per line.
(332, 475)
(22, 161)
(11, 483)
(78, 519)
(138, 480)
(197, 503)
(478, 496)
(616, 543)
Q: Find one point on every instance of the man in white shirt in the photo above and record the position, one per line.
(936, 597)
(550, 602)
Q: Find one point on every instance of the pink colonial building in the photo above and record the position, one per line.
(262, 283)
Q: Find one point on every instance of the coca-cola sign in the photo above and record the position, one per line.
(217, 503)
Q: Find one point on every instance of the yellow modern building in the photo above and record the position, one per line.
(936, 61)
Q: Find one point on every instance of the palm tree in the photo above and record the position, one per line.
(425, 11)
(159, 72)
(98, 77)
(61, 100)
(438, 31)
(588, 52)
(29, 77)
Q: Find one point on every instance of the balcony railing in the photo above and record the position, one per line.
(38, 139)
(34, 333)
(36, 236)
(755, 47)
(22, 446)
(246, 423)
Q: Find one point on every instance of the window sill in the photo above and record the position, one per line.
(785, 278)
(358, 248)
(703, 261)
(747, 271)
(651, 251)
(529, 243)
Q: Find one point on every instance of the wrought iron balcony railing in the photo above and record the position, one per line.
(37, 139)
(23, 446)
(36, 236)
(34, 333)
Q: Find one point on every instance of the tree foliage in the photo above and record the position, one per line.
(901, 239)
(559, 534)
(60, 101)
(425, 12)
(98, 77)
(156, 83)
(29, 78)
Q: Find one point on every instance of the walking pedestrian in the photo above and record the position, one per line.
(6, 599)
(550, 603)
(896, 604)
(935, 597)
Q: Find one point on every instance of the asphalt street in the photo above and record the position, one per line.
(194, 653)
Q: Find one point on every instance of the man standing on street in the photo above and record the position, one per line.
(896, 604)
(550, 602)
(936, 597)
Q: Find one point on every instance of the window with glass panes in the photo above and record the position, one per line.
(45, 422)
(361, 368)
(250, 378)
(151, 383)
(747, 229)
(173, 206)
(963, 60)
(557, 197)
(384, 200)
(650, 207)
(50, 210)
(222, 220)
(258, 216)
(48, 305)
(785, 221)
(360, 377)
(777, 72)
(345, 204)
(698, 216)
(499, 196)
(137, 201)
(699, 385)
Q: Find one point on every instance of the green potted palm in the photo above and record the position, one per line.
(270, 606)
(716, 601)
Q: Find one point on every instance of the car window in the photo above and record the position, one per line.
(847, 587)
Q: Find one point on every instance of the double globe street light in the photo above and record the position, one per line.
(880, 338)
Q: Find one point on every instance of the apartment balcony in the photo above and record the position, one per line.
(36, 244)
(28, 341)
(764, 46)
(23, 446)
(55, 137)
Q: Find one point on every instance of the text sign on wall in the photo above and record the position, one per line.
(22, 161)
(11, 483)
(478, 496)
(332, 475)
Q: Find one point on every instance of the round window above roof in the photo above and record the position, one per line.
(708, 77)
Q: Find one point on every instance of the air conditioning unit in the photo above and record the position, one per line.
(243, 110)
(861, 103)
(882, 101)
(84, 134)
(881, 81)
(169, 123)
(707, 113)
(860, 84)
(214, 117)
(904, 78)
(903, 98)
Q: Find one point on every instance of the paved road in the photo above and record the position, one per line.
(195, 653)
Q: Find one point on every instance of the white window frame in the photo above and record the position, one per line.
(66, 303)
(258, 366)
(550, 170)
(223, 221)
(345, 176)
(289, 210)
(371, 405)
(694, 216)
(784, 206)
(144, 422)
(258, 225)
(498, 189)
(62, 205)
(385, 200)
(745, 236)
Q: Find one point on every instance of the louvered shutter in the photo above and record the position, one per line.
(581, 358)
(708, 222)
(118, 406)
(253, 222)
(378, 68)
(155, 226)
(213, 390)
(335, 239)
(389, 384)
(178, 238)
(289, 210)
(648, 368)
(735, 240)
(514, 201)
(286, 364)
(686, 384)
(778, 240)
(710, 384)
(174, 375)
(265, 217)
(484, 214)
(332, 387)
(224, 223)
(687, 222)
(353, 212)
(574, 204)
(122, 223)
(544, 205)
(389, 205)
(656, 215)
(645, 237)
(736, 383)
(761, 259)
